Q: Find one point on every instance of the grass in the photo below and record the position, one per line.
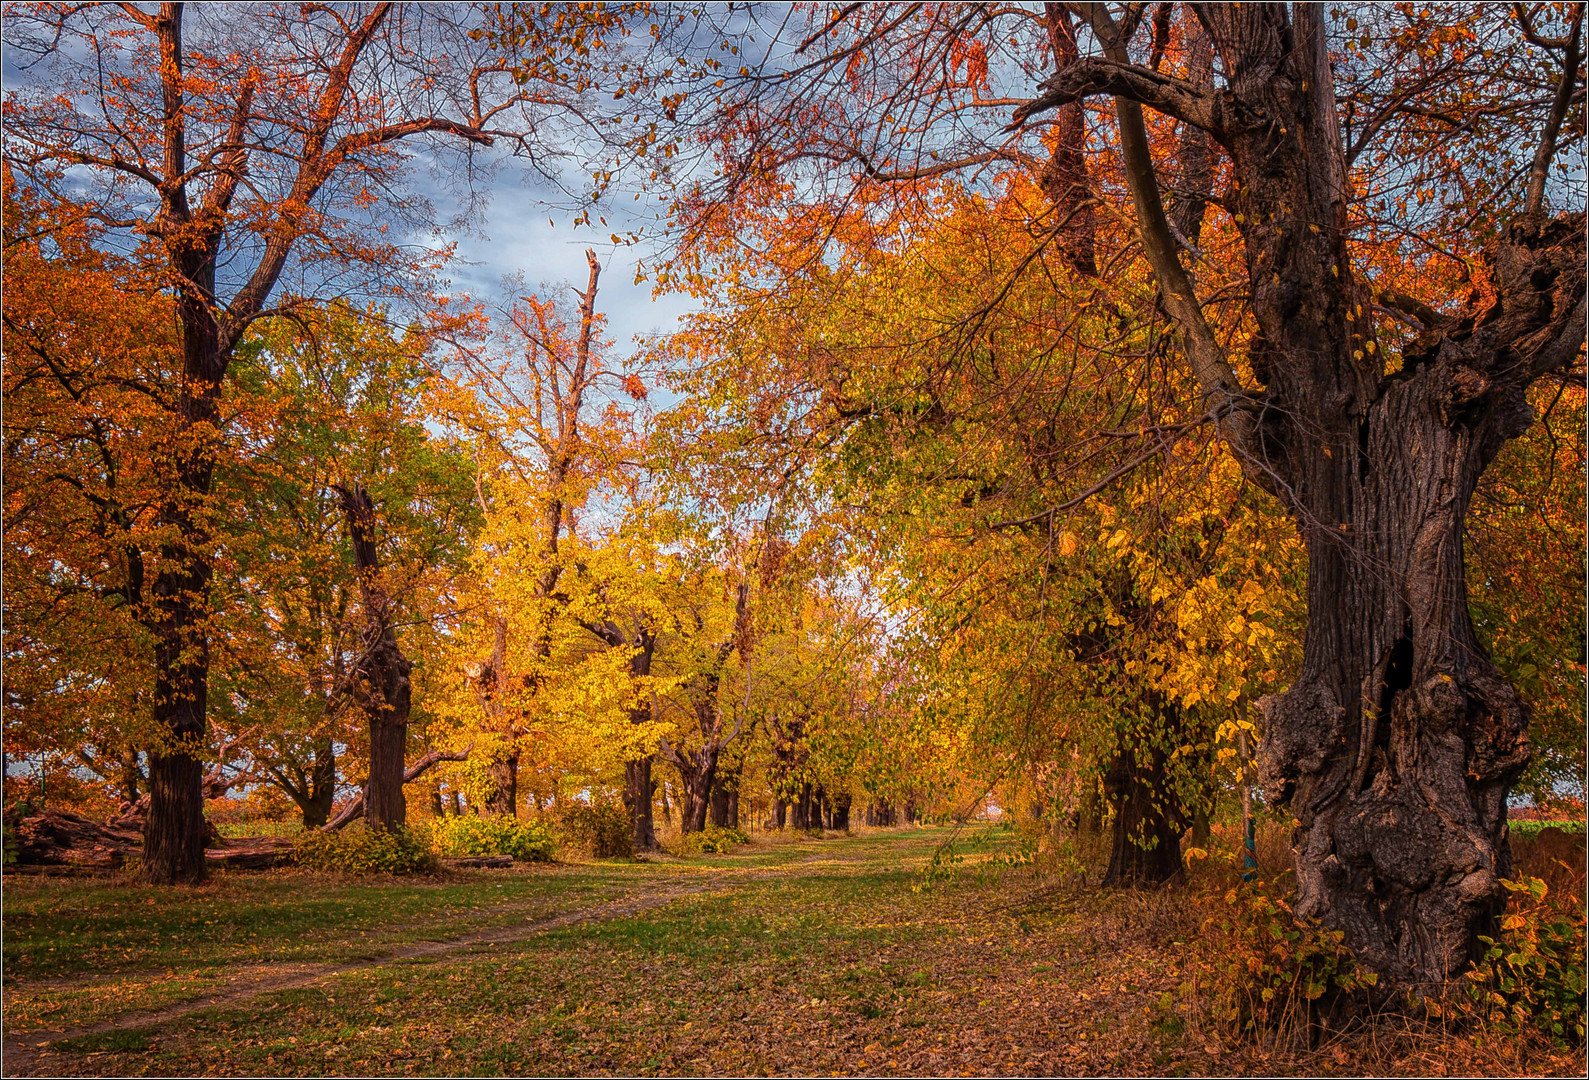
(792, 956)
(1527, 830)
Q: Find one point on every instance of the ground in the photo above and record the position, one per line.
(830, 956)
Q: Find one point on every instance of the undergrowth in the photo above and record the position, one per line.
(471, 834)
(358, 849)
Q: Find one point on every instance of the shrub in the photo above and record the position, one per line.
(712, 840)
(474, 835)
(602, 829)
(1532, 975)
(1274, 972)
(360, 850)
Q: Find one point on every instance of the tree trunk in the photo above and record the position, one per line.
(436, 807)
(720, 798)
(322, 786)
(174, 829)
(131, 776)
(662, 795)
(1145, 834)
(1399, 741)
(637, 800)
(504, 800)
(1063, 177)
(384, 689)
(780, 812)
(697, 785)
(457, 803)
(841, 813)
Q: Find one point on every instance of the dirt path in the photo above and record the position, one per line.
(23, 1053)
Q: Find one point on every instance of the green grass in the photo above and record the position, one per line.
(1529, 829)
(844, 949)
(832, 956)
(56, 928)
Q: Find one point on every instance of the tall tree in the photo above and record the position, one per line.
(531, 397)
(250, 152)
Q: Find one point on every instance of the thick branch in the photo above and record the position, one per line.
(1095, 76)
(1215, 375)
(355, 809)
(1545, 153)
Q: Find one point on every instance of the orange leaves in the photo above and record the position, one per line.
(971, 54)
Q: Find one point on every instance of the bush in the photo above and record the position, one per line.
(1273, 972)
(474, 835)
(1532, 975)
(360, 850)
(603, 830)
(712, 840)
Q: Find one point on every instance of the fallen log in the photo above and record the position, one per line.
(355, 809)
(60, 837)
(256, 855)
(492, 862)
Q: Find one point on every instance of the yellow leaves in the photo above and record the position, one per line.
(1118, 539)
(1067, 543)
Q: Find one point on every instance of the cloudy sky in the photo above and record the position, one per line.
(520, 233)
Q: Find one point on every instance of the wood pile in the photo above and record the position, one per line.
(60, 838)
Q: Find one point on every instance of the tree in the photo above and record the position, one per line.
(247, 153)
(698, 765)
(338, 395)
(1399, 741)
(530, 398)
(1397, 744)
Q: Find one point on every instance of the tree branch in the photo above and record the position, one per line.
(355, 809)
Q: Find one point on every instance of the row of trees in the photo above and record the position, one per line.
(1078, 391)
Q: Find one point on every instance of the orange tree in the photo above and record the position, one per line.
(246, 164)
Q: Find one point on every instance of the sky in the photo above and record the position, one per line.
(520, 233)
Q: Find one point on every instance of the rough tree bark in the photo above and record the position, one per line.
(1397, 745)
(1064, 176)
